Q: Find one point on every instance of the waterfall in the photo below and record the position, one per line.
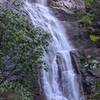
(60, 81)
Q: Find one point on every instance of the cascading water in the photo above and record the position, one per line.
(60, 81)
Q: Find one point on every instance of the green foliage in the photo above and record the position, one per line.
(16, 89)
(21, 49)
(88, 3)
(94, 38)
(86, 19)
(89, 22)
(19, 40)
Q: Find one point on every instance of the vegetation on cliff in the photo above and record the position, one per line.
(89, 21)
(21, 50)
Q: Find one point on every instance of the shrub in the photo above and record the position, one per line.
(21, 51)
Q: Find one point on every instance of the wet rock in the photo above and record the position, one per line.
(75, 55)
(75, 61)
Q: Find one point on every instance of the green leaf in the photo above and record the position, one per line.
(89, 2)
(94, 38)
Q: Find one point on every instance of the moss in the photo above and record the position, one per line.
(94, 38)
(86, 19)
(88, 3)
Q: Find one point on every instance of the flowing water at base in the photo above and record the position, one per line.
(60, 81)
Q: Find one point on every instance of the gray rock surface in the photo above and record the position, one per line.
(67, 5)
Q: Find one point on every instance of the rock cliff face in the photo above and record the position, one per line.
(66, 5)
(87, 60)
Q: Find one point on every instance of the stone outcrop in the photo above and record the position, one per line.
(67, 5)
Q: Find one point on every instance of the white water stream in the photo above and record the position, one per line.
(60, 81)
